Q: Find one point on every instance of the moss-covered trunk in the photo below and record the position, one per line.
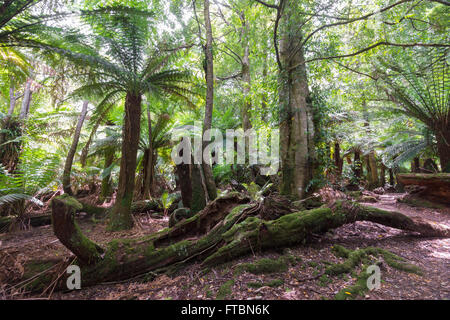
(120, 217)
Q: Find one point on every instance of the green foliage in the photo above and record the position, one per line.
(36, 173)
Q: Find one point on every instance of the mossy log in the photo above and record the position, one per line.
(68, 232)
(437, 185)
(227, 228)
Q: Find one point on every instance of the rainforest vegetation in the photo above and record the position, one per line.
(340, 159)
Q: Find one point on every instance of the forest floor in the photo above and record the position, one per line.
(299, 280)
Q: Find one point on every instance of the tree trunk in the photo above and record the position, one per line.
(73, 149)
(383, 175)
(85, 151)
(209, 76)
(415, 165)
(246, 124)
(296, 123)
(183, 173)
(443, 146)
(357, 164)
(149, 161)
(26, 100)
(120, 217)
(107, 188)
(391, 177)
(227, 228)
(338, 161)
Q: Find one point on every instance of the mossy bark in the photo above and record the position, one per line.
(68, 232)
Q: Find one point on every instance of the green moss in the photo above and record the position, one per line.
(364, 256)
(324, 280)
(265, 265)
(255, 285)
(225, 290)
(275, 283)
(70, 201)
(358, 289)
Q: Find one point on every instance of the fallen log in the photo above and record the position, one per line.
(227, 228)
(32, 220)
(89, 209)
(436, 186)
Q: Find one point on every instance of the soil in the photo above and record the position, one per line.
(300, 281)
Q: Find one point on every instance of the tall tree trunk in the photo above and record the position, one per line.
(372, 170)
(246, 124)
(149, 163)
(443, 146)
(73, 148)
(26, 100)
(120, 217)
(296, 117)
(209, 76)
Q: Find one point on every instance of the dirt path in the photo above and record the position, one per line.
(431, 255)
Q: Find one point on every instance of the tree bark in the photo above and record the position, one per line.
(338, 161)
(73, 149)
(70, 235)
(85, 151)
(296, 123)
(107, 188)
(357, 164)
(246, 80)
(383, 175)
(183, 173)
(391, 177)
(26, 100)
(443, 146)
(209, 77)
(120, 217)
(149, 161)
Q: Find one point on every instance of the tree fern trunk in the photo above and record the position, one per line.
(120, 218)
